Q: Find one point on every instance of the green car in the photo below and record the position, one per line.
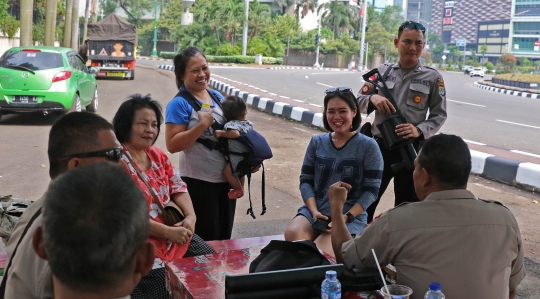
(46, 79)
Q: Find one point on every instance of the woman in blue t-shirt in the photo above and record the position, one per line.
(340, 155)
(191, 133)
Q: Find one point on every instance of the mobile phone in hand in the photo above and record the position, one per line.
(320, 225)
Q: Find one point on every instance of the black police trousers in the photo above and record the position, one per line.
(403, 180)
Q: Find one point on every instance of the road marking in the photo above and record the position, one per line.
(517, 124)
(466, 103)
(315, 105)
(473, 142)
(525, 153)
(284, 97)
(273, 94)
(324, 84)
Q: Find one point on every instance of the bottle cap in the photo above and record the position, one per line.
(331, 274)
(435, 286)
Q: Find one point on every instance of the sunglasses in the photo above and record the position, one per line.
(112, 154)
(334, 90)
(413, 25)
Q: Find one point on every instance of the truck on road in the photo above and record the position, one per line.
(112, 42)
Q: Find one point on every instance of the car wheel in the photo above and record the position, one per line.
(132, 75)
(94, 104)
(76, 106)
(472, 76)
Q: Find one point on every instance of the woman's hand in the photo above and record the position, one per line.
(206, 118)
(317, 215)
(179, 235)
(188, 223)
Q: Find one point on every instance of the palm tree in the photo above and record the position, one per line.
(94, 10)
(338, 16)
(483, 50)
(210, 14)
(287, 6)
(50, 22)
(232, 15)
(27, 14)
(67, 23)
(304, 6)
(259, 16)
(75, 25)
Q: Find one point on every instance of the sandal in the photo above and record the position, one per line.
(234, 193)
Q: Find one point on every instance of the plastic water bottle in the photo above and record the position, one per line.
(206, 105)
(331, 287)
(434, 291)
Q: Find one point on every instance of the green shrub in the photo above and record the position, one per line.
(489, 66)
(449, 68)
(167, 55)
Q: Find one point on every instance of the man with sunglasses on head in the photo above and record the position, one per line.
(420, 94)
(75, 139)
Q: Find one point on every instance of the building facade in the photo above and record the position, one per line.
(495, 35)
(459, 19)
(525, 28)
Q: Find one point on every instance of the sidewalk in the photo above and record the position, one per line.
(501, 165)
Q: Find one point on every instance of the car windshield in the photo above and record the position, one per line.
(35, 61)
(477, 69)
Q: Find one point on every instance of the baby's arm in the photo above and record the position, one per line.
(229, 133)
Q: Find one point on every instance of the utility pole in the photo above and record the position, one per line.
(317, 41)
(363, 38)
(245, 32)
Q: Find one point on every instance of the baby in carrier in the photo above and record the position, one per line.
(234, 111)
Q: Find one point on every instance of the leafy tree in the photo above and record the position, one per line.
(489, 66)
(483, 50)
(233, 17)
(10, 26)
(304, 6)
(524, 61)
(508, 62)
(437, 52)
(287, 6)
(134, 9)
(259, 16)
(283, 25)
(379, 38)
(454, 51)
(338, 16)
(4, 5)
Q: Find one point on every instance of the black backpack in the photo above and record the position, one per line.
(244, 153)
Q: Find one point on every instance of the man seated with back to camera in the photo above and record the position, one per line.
(471, 246)
(94, 233)
(75, 139)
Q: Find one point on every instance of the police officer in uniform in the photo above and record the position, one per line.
(420, 95)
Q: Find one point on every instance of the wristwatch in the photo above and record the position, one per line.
(350, 217)
(419, 131)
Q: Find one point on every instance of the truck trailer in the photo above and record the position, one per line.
(112, 43)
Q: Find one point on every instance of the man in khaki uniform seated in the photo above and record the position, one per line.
(92, 139)
(471, 246)
(94, 250)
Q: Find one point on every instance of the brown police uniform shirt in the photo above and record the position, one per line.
(422, 88)
(472, 247)
(29, 277)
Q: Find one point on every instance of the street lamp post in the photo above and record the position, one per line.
(363, 38)
(154, 50)
(317, 41)
(427, 31)
(245, 31)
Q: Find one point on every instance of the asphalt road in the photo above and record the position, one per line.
(477, 115)
(24, 166)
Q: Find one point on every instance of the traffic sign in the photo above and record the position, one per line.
(443, 57)
(461, 42)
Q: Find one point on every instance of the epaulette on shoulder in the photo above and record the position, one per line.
(492, 201)
(400, 205)
(431, 68)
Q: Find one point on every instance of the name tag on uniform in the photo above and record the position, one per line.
(393, 79)
(424, 82)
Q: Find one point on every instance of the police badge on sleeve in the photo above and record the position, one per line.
(442, 90)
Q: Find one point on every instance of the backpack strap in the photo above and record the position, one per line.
(6, 272)
(196, 105)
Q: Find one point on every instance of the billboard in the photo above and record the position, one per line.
(448, 16)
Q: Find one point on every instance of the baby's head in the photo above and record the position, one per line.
(234, 108)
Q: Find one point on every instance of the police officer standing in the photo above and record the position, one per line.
(420, 95)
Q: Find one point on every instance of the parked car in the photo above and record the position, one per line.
(477, 72)
(46, 79)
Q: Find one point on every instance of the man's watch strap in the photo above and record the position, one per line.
(419, 131)
(350, 217)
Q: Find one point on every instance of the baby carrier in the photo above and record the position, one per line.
(244, 153)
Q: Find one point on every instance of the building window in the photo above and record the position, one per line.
(527, 28)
